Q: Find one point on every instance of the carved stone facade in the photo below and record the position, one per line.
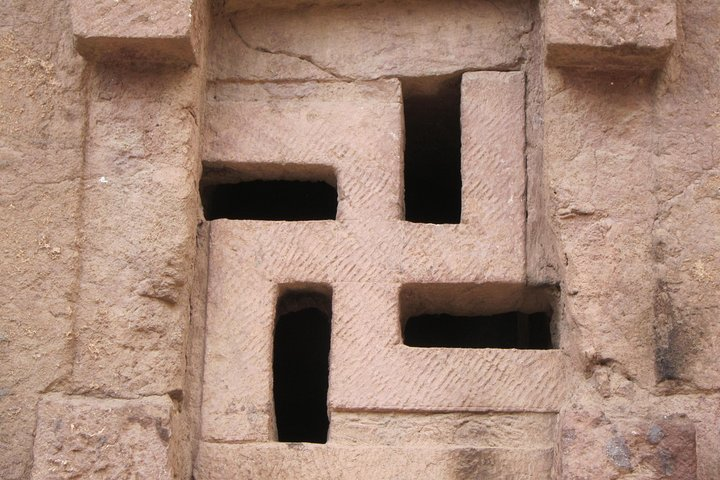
(534, 184)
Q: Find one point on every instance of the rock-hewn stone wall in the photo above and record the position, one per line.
(136, 337)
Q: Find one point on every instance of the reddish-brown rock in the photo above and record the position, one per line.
(162, 32)
(594, 445)
(609, 34)
(101, 438)
(136, 338)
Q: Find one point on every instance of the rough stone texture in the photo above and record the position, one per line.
(218, 461)
(140, 170)
(686, 299)
(622, 208)
(41, 106)
(101, 438)
(71, 264)
(136, 30)
(367, 255)
(496, 430)
(631, 166)
(609, 34)
(379, 39)
(595, 133)
(304, 131)
(595, 446)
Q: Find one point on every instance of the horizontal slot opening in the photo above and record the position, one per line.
(477, 316)
(283, 198)
(301, 365)
(433, 181)
(503, 330)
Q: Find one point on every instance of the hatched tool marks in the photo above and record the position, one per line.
(367, 254)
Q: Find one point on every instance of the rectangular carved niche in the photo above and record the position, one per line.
(433, 183)
(477, 316)
(301, 349)
(275, 194)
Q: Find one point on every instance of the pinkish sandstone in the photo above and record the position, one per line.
(553, 314)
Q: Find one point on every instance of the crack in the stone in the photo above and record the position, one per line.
(287, 53)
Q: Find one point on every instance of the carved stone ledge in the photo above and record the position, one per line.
(136, 31)
(609, 34)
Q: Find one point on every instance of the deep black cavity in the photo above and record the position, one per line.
(300, 371)
(433, 183)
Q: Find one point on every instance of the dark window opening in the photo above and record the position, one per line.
(433, 183)
(300, 366)
(228, 194)
(478, 315)
(505, 330)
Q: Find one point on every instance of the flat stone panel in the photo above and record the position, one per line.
(368, 40)
(309, 461)
(161, 31)
(493, 161)
(286, 131)
(609, 34)
(81, 437)
(407, 429)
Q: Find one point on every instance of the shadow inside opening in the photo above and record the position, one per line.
(301, 368)
(275, 200)
(505, 330)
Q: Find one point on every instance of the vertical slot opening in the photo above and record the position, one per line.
(300, 365)
(433, 181)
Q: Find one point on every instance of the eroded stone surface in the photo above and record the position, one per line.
(609, 34)
(101, 438)
(41, 104)
(379, 39)
(368, 254)
(135, 30)
(141, 170)
(594, 445)
(218, 461)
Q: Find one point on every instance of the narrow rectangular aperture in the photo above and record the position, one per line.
(278, 200)
(466, 315)
(301, 349)
(433, 181)
(504, 330)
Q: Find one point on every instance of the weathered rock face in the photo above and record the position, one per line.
(137, 338)
(90, 438)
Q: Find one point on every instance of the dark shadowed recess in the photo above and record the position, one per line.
(300, 367)
(505, 330)
(433, 181)
(278, 200)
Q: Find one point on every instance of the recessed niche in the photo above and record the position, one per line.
(477, 316)
(301, 349)
(433, 182)
(503, 330)
(280, 197)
